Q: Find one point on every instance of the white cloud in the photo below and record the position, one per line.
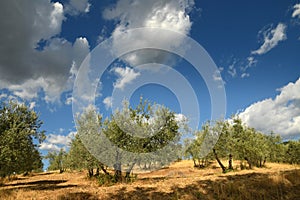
(49, 147)
(271, 39)
(167, 14)
(58, 139)
(250, 62)
(32, 57)
(296, 12)
(32, 105)
(180, 117)
(76, 7)
(125, 76)
(108, 102)
(218, 78)
(3, 96)
(232, 70)
(55, 142)
(245, 75)
(56, 16)
(69, 101)
(281, 115)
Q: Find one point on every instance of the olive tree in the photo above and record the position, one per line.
(19, 137)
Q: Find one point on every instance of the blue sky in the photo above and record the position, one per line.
(254, 44)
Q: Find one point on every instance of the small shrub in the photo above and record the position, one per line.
(131, 178)
(105, 179)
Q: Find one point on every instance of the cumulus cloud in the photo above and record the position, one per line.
(76, 7)
(296, 12)
(180, 117)
(49, 147)
(125, 76)
(108, 102)
(167, 14)
(58, 139)
(281, 115)
(271, 39)
(55, 142)
(33, 58)
(32, 105)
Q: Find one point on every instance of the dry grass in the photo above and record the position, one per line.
(179, 181)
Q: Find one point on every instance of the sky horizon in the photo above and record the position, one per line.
(254, 46)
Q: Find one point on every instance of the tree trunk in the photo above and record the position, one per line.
(103, 169)
(195, 165)
(90, 172)
(264, 163)
(199, 164)
(249, 162)
(219, 161)
(230, 162)
(118, 168)
(206, 162)
(97, 171)
(260, 162)
(128, 171)
(118, 172)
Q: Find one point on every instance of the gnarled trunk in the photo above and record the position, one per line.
(249, 162)
(118, 172)
(219, 161)
(128, 171)
(195, 164)
(90, 172)
(118, 168)
(103, 169)
(230, 162)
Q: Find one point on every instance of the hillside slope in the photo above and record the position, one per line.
(179, 181)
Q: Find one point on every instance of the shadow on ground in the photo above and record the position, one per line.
(283, 185)
(37, 185)
(77, 196)
(277, 185)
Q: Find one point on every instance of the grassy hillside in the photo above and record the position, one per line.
(179, 181)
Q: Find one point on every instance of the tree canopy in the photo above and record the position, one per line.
(19, 137)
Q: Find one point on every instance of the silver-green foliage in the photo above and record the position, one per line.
(19, 126)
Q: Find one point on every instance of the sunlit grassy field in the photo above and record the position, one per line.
(179, 181)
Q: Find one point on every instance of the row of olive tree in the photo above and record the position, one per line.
(137, 132)
(239, 142)
(146, 136)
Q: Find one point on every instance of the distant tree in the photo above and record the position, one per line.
(237, 141)
(277, 149)
(88, 125)
(198, 148)
(293, 152)
(80, 158)
(19, 127)
(57, 160)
